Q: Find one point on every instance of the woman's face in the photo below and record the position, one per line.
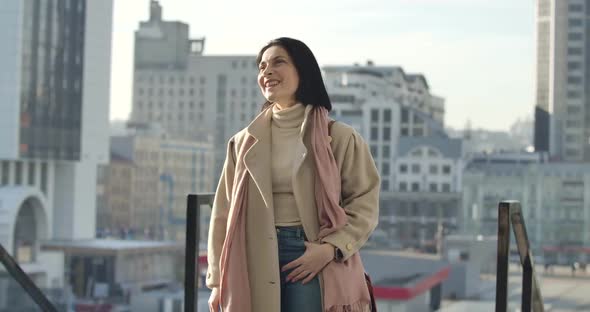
(277, 77)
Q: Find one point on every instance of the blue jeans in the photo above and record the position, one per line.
(294, 295)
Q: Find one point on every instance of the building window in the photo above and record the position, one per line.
(415, 168)
(446, 169)
(415, 187)
(433, 169)
(403, 168)
(574, 80)
(403, 187)
(386, 151)
(573, 94)
(31, 173)
(405, 132)
(446, 187)
(374, 150)
(574, 51)
(19, 173)
(386, 133)
(405, 115)
(5, 172)
(575, 7)
(385, 169)
(374, 133)
(387, 115)
(44, 178)
(574, 22)
(375, 115)
(433, 187)
(574, 65)
(385, 185)
(202, 80)
(575, 36)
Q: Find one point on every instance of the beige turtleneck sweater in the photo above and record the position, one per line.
(285, 131)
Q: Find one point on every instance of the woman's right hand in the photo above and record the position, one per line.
(214, 300)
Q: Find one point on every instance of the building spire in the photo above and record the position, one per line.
(155, 11)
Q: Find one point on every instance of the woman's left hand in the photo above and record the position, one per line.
(306, 267)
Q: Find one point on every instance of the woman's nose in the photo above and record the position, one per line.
(267, 72)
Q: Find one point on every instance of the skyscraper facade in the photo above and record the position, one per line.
(562, 111)
(54, 110)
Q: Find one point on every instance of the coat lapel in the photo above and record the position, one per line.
(258, 157)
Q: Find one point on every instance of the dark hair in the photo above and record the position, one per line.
(311, 89)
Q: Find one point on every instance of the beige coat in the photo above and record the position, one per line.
(360, 199)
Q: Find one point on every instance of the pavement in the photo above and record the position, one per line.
(561, 290)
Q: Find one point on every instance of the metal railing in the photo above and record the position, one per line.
(26, 283)
(510, 213)
(191, 263)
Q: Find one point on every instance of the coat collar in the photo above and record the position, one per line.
(258, 158)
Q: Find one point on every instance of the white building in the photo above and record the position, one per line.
(54, 110)
(420, 165)
(193, 96)
(562, 123)
(555, 199)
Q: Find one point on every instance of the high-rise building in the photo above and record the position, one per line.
(562, 112)
(54, 110)
(192, 95)
(420, 166)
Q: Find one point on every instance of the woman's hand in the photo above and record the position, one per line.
(306, 267)
(214, 300)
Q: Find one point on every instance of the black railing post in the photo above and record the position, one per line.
(502, 260)
(193, 233)
(23, 279)
(191, 249)
(510, 213)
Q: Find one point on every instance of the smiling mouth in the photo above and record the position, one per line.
(271, 84)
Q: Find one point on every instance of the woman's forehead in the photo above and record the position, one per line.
(273, 52)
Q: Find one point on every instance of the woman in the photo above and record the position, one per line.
(297, 199)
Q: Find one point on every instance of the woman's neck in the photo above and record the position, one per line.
(285, 104)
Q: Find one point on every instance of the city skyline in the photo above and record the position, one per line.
(502, 54)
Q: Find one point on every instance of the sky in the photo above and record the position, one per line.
(477, 54)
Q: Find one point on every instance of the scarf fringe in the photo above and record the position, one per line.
(360, 306)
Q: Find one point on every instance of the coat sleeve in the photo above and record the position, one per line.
(219, 214)
(360, 195)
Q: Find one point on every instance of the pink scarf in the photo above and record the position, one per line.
(345, 289)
